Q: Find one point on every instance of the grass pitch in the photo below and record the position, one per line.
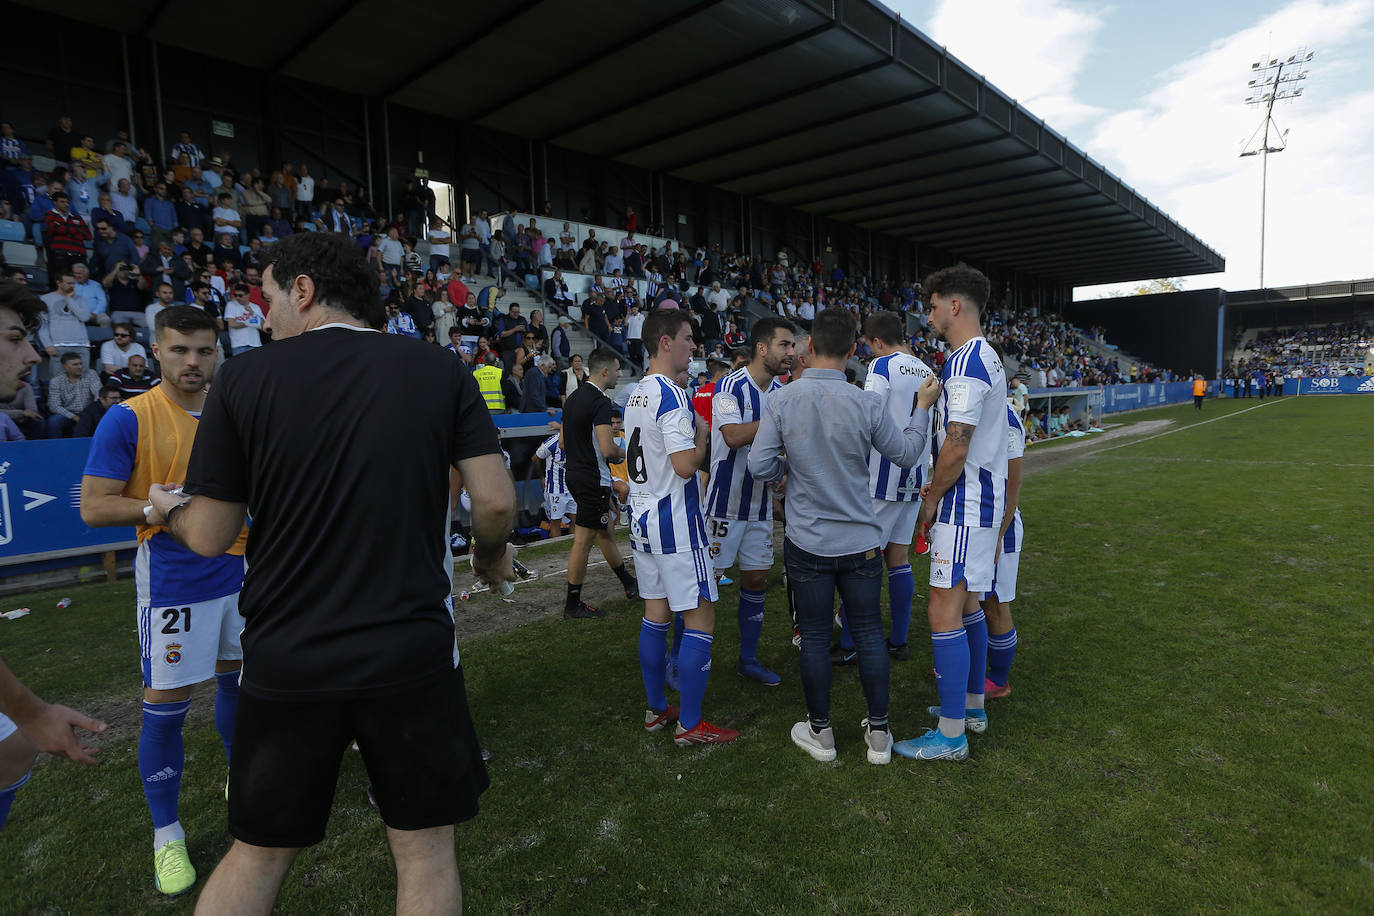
(1188, 729)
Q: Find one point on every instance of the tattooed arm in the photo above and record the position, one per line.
(948, 467)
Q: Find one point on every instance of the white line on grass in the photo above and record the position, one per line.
(1179, 429)
(1245, 461)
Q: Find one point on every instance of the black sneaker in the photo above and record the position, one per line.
(899, 653)
(842, 656)
(632, 590)
(582, 611)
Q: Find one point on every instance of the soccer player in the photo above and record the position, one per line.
(667, 446)
(828, 428)
(895, 375)
(962, 509)
(588, 443)
(558, 502)
(997, 601)
(739, 509)
(188, 605)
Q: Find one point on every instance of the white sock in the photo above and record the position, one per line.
(973, 701)
(951, 728)
(164, 835)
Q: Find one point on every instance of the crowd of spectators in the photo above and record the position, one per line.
(1311, 351)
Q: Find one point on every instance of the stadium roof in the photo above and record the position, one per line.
(1354, 290)
(834, 107)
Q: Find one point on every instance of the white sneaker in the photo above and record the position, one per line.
(879, 745)
(821, 747)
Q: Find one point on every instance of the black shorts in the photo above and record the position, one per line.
(593, 504)
(419, 747)
(472, 255)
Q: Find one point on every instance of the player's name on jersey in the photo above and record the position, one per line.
(638, 400)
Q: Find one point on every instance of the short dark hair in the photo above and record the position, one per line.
(764, 330)
(24, 302)
(184, 319)
(336, 266)
(960, 280)
(662, 322)
(123, 324)
(70, 356)
(885, 326)
(600, 358)
(61, 195)
(716, 365)
(109, 389)
(832, 333)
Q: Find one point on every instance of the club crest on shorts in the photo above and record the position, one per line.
(605, 520)
(715, 550)
(173, 653)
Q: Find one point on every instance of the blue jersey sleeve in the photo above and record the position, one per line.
(115, 445)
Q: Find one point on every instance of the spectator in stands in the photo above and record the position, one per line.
(279, 226)
(111, 248)
(538, 332)
(63, 325)
(61, 139)
(117, 352)
(498, 263)
(22, 410)
(125, 202)
(534, 387)
(184, 147)
(123, 286)
(256, 208)
(634, 332)
(572, 378)
(614, 261)
(474, 321)
(69, 393)
(586, 262)
(117, 163)
(337, 218)
(510, 336)
(594, 316)
(12, 149)
(163, 298)
(135, 378)
(65, 235)
(305, 193)
(397, 321)
(199, 252)
(225, 254)
(160, 212)
(244, 320)
(97, 303)
(470, 245)
(108, 396)
(162, 266)
(105, 210)
(227, 220)
(560, 345)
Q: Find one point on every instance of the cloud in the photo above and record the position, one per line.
(1180, 146)
(1033, 49)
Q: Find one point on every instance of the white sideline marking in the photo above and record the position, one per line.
(1179, 429)
(1245, 461)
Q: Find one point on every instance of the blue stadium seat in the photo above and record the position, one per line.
(142, 225)
(20, 254)
(12, 231)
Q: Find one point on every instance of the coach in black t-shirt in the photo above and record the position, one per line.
(347, 603)
(589, 444)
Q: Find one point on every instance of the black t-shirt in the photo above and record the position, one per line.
(583, 411)
(340, 443)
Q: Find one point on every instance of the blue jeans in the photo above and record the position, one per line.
(858, 578)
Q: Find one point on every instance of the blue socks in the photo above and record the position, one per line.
(226, 703)
(161, 756)
(750, 623)
(951, 673)
(677, 640)
(694, 667)
(7, 797)
(976, 626)
(652, 664)
(1001, 651)
(901, 587)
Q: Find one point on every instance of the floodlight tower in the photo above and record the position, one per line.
(1278, 80)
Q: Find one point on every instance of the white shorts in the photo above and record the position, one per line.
(959, 554)
(180, 645)
(7, 728)
(898, 520)
(685, 578)
(750, 543)
(560, 506)
(1004, 578)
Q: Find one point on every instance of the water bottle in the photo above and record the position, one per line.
(65, 603)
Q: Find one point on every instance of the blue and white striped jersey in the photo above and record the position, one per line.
(665, 509)
(975, 393)
(555, 483)
(1016, 447)
(896, 378)
(733, 493)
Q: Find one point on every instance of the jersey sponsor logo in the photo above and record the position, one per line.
(173, 655)
(1366, 385)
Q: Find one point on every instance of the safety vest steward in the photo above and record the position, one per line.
(489, 383)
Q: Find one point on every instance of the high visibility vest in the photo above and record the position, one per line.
(489, 383)
(1199, 387)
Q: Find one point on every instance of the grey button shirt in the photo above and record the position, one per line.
(826, 427)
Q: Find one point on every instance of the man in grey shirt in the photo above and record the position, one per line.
(826, 427)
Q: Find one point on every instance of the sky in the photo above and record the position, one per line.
(1155, 92)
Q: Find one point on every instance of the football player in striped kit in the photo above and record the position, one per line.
(739, 509)
(666, 446)
(962, 508)
(558, 501)
(997, 601)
